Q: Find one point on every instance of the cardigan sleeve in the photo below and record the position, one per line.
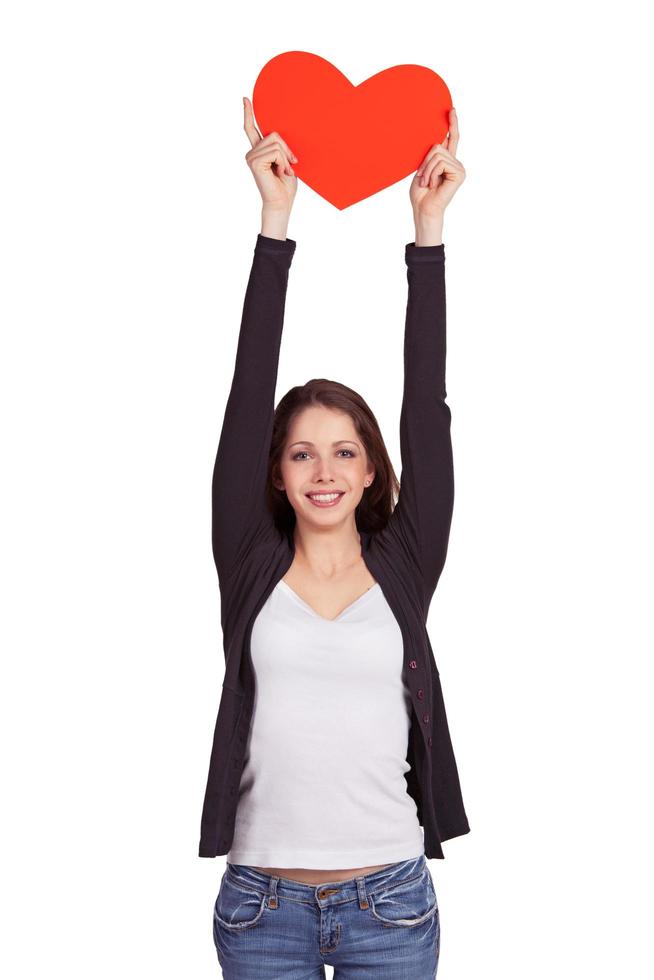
(420, 522)
(238, 495)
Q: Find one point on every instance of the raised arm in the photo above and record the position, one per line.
(420, 523)
(238, 495)
(427, 484)
(240, 471)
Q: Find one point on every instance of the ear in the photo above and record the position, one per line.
(276, 479)
(370, 476)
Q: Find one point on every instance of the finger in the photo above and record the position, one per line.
(448, 155)
(437, 148)
(452, 165)
(280, 159)
(274, 137)
(446, 142)
(272, 153)
(436, 172)
(431, 156)
(442, 162)
(421, 169)
(251, 130)
(280, 147)
(431, 171)
(453, 139)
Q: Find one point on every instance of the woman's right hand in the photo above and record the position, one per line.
(270, 162)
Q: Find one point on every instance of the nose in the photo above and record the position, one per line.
(322, 473)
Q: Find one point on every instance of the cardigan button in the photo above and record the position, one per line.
(429, 741)
(425, 718)
(412, 664)
(421, 694)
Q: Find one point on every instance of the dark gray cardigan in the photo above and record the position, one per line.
(406, 557)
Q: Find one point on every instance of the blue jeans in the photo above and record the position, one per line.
(380, 926)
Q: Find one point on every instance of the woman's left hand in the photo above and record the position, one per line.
(439, 176)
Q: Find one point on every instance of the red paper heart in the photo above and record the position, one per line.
(351, 141)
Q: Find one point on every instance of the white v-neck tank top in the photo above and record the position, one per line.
(323, 782)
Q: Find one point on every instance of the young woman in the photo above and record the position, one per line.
(331, 747)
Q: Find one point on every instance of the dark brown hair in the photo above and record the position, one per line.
(379, 499)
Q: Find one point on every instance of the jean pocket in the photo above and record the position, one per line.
(237, 907)
(406, 903)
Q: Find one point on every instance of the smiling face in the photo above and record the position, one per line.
(324, 454)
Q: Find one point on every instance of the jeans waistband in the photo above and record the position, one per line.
(327, 892)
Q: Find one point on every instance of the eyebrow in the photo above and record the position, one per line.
(304, 442)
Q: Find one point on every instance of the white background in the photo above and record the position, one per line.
(129, 217)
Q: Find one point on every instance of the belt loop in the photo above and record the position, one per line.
(272, 894)
(361, 889)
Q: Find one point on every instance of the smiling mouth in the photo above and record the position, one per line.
(330, 499)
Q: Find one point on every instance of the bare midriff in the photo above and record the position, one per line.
(309, 876)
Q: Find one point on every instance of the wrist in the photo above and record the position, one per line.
(429, 230)
(274, 224)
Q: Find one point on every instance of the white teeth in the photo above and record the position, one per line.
(326, 497)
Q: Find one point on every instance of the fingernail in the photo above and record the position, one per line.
(294, 158)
